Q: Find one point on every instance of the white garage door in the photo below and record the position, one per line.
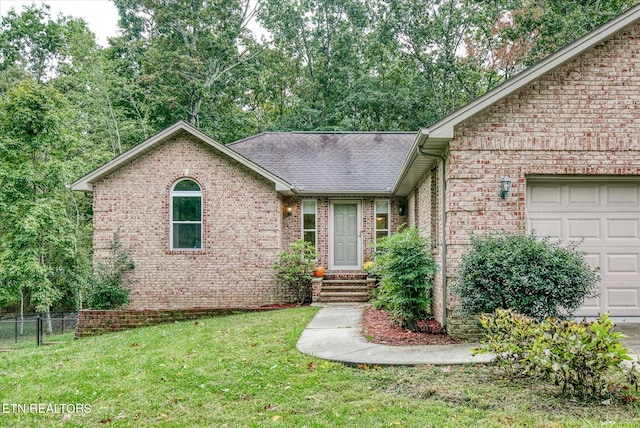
(606, 216)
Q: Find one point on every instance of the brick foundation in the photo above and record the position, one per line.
(464, 329)
(93, 322)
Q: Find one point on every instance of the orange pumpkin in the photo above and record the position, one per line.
(318, 272)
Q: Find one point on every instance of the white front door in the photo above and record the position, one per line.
(345, 234)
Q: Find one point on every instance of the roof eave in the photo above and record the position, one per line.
(435, 138)
(349, 193)
(445, 126)
(85, 184)
(412, 170)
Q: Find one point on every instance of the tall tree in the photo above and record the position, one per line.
(323, 40)
(187, 52)
(37, 239)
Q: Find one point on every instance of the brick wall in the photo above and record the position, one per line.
(293, 226)
(242, 229)
(583, 118)
(94, 322)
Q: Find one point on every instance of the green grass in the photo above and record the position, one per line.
(32, 342)
(244, 370)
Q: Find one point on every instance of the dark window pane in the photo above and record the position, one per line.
(186, 186)
(187, 235)
(309, 221)
(310, 237)
(382, 221)
(186, 208)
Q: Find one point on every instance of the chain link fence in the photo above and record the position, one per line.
(35, 328)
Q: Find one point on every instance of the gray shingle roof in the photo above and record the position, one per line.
(335, 162)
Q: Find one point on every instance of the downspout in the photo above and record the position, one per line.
(421, 152)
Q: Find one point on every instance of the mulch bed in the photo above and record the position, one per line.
(378, 327)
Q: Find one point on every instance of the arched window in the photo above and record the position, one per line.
(186, 215)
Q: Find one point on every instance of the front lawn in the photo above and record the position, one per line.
(244, 370)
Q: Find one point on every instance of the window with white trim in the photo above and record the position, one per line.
(309, 221)
(186, 215)
(382, 218)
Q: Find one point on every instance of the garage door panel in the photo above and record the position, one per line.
(626, 228)
(623, 195)
(591, 306)
(605, 218)
(584, 195)
(622, 264)
(583, 228)
(548, 227)
(622, 298)
(593, 260)
(545, 195)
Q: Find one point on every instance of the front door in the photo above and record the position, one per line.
(345, 234)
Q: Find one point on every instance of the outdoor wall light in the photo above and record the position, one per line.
(505, 186)
(287, 210)
(401, 209)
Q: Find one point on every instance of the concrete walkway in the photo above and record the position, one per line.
(335, 334)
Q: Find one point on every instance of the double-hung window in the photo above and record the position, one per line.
(309, 222)
(382, 218)
(186, 215)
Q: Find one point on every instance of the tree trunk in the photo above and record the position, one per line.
(21, 312)
(47, 315)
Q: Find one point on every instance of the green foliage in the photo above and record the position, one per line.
(37, 237)
(295, 268)
(112, 282)
(577, 356)
(510, 337)
(406, 268)
(532, 276)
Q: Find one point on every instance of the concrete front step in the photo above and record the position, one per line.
(344, 281)
(343, 297)
(344, 288)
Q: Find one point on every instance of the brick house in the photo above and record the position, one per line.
(205, 222)
(563, 137)
(565, 134)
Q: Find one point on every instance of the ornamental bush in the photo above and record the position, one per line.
(111, 283)
(532, 276)
(582, 358)
(405, 265)
(295, 268)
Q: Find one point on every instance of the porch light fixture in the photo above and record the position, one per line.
(505, 186)
(287, 210)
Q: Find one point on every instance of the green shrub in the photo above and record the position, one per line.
(405, 265)
(295, 268)
(510, 337)
(111, 283)
(534, 277)
(582, 358)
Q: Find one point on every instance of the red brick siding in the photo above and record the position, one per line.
(94, 322)
(293, 226)
(242, 229)
(581, 119)
(427, 201)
